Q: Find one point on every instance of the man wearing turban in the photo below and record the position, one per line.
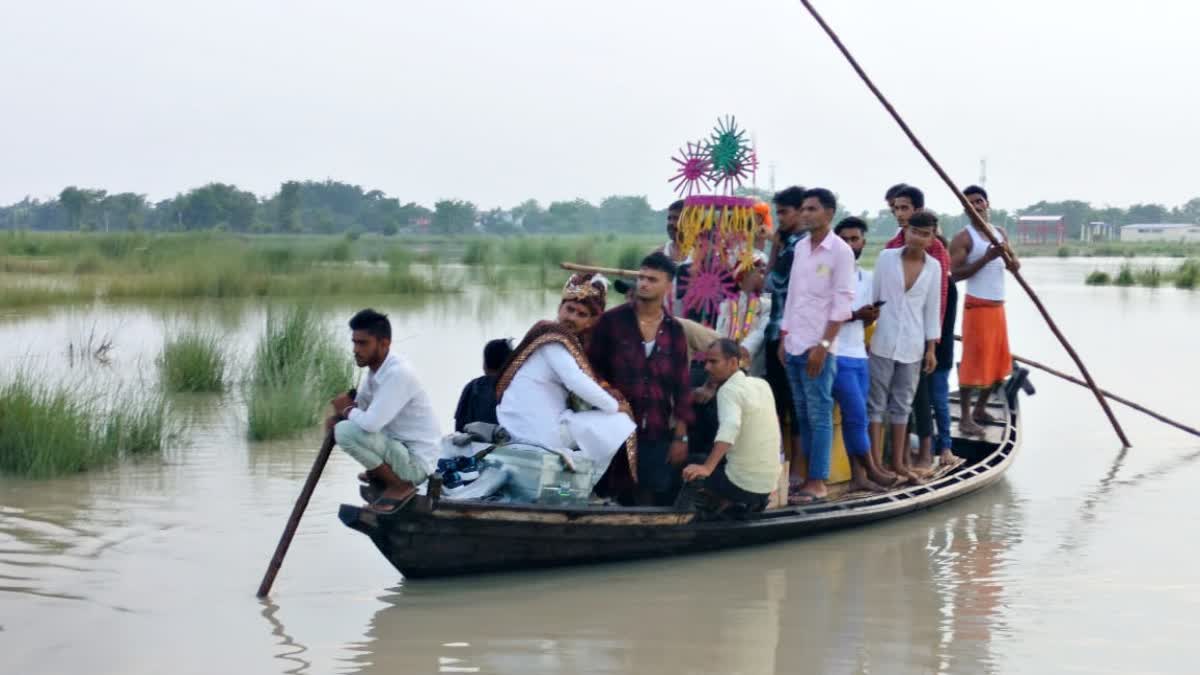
(550, 397)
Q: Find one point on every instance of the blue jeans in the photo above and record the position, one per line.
(850, 387)
(939, 394)
(813, 402)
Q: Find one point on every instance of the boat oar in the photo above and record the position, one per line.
(293, 522)
(1124, 401)
(592, 269)
(975, 217)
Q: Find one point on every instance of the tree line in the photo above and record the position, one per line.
(334, 207)
(319, 207)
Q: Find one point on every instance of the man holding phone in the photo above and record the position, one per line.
(852, 383)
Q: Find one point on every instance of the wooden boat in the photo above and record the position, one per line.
(438, 538)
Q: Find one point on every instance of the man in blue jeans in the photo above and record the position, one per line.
(820, 293)
(853, 380)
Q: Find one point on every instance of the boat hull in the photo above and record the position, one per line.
(454, 538)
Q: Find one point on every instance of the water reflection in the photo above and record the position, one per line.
(913, 597)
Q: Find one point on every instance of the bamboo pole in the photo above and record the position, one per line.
(1108, 394)
(293, 522)
(976, 219)
(591, 269)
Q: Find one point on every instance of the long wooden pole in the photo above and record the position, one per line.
(592, 269)
(293, 522)
(975, 217)
(1108, 394)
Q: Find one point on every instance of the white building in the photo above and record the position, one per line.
(1181, 232)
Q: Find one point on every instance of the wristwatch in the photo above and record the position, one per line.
(826, 344)
(682, 439)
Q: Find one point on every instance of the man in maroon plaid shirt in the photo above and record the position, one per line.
(642, 351)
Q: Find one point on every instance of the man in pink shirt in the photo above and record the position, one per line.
(820, 294)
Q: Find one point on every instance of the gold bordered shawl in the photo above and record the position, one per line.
(544, 333)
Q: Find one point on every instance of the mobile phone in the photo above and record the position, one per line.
(879, 303)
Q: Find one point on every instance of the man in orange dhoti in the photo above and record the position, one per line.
(986, 359)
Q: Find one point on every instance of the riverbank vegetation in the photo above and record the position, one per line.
(50, 430)
(1186, 276)
(48, 268)
(193, 361)
(298, 368)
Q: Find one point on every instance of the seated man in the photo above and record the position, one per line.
(549, 369)
(743, 467)
(478, 400)
(389, 426)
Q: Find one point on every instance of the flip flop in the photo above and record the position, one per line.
(381, 505)
(803, 498)
(369, 493)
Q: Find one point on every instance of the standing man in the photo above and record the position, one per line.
(779, 270)
(743, 467)
(671, 247)
(389, 426)
(986, 360)
(906, 281)
(642, 351)
(852, 383)
(907, 201)
(820, 293)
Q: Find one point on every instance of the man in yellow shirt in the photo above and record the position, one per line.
(743, 467)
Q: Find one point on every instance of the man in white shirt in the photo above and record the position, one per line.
(389, 426)
(549, 395)
(908, 282)
(852, 383)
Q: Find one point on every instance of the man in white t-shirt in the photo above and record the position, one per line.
(852, 383)
(389, 425)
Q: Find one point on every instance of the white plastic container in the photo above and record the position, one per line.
(538, 476)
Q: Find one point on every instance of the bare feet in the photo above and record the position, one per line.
(968, 427)
(982, 417)
(864, 485)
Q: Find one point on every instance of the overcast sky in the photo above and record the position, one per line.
(554, 99)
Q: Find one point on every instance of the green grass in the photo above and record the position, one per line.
(298, 367)
(193, 362)
(1186, 276)
(48, 431)
(1110, 249)
(201, 265)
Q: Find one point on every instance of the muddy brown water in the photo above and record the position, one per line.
(1083, 559)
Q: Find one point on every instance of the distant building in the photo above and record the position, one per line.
(1098, 231)
(1181, 232)
(1040, 229)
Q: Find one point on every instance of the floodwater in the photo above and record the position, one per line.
(1081, 560)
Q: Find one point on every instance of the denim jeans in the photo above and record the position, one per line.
(812, 399)
(939, 393)
(850, 387)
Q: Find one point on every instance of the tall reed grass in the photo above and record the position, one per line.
(193, 362)
(298, 367)
(50, 430)
(197, 265)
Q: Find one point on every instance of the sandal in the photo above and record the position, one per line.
(386, 506)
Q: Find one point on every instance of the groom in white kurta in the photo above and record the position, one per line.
(536, 405)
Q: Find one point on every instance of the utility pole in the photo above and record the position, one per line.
(983, 172)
